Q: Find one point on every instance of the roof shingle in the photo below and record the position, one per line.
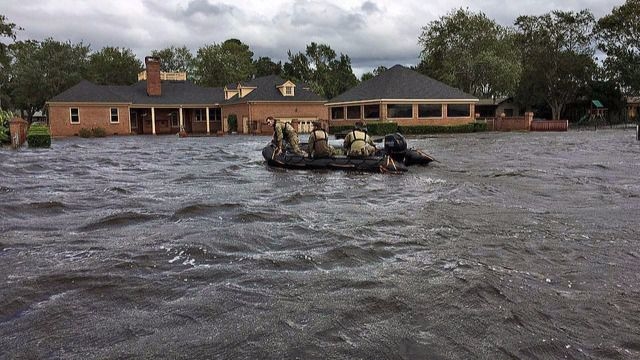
(401, 83)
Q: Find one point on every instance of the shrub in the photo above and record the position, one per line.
(84, 133)
(39, 136)
(5, 116)
(384, 128)
(433, 129)
(98, 132)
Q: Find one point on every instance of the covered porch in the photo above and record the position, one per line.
(166, 120)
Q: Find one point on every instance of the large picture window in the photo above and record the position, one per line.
(430, 111)
(372, 111)
(75, 115)
(458, 110)
(399, 110)
(114, 116)
(337, 113)
(353, 112)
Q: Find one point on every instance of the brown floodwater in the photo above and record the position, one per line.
(514, 245)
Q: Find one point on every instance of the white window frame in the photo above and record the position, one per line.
(174, 117)
(134, 120)
(77, 115)
(288, 90)
(198, 115)
(111, 116)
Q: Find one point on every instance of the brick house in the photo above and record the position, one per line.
(166, 103)
(252, 101)
(403, 96)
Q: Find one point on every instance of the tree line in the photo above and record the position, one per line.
(547, 63)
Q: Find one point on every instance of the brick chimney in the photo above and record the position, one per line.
(153, 76)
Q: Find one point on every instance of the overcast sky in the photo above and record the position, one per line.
(371, 32)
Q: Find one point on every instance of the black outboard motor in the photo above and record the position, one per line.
(395, 146)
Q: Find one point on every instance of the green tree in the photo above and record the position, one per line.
(222, 64)
(7, 31)
(618, 36)
(557, 57)
(370, 75)
(173, 59)
(321, 70)
(265, 66)
(41, 70)
(113, 66)
(471, 52)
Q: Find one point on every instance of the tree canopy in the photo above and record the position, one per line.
(41, 70)
(618, 36)
(319, 68)
(174, 59)
(471, 52)
(113, 66)
(222, 64)
(557, 57)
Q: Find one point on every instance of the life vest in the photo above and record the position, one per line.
(356, 139)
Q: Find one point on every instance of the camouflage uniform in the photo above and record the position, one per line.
(285, 131)
(318, 146)
(358, 143)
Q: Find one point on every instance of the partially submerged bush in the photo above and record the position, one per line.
(84, 132)
(93, 132)
(39, 136)
(98, 132)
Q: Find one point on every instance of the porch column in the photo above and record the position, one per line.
(208, 129)
(153, 121)
(181, 121)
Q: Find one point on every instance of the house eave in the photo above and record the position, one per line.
(400, 101)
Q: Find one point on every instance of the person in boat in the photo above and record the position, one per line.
(319, 146)
(357, 143)
(283, 131)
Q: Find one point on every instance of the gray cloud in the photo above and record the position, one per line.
(203, 7)
(371, 32)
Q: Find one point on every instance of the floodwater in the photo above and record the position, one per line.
(513, 246)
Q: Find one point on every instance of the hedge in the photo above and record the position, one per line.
(93, 132)
(39, 136)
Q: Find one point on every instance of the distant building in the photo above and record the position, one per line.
(403, 96)
(490, 108)
(166, 103)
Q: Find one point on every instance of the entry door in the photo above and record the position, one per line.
(245, 124)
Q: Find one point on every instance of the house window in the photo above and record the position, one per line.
(430, 110)
(288, 91)
(199, 114)
(114, 116)
(399, 110)
(174, 120)
(337, 113)
(215, 114)
(372, 111)
(134, 120)
(353, 112)
(75, 115)
(458, 110)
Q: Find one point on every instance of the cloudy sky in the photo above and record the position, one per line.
(371, 32)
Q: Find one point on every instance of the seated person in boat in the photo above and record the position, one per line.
(283, 131)
(319, 146)
(357, 143)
